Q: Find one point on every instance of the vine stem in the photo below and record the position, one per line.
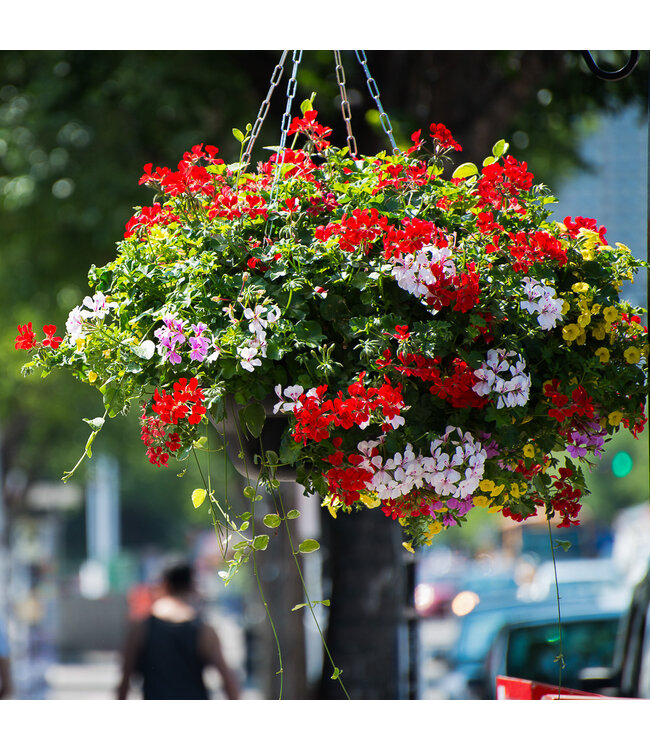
(278, 500)
(560, 656)
(253, 551)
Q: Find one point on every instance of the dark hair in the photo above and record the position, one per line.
(179, 578)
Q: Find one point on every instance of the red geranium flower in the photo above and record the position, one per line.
(26, 338)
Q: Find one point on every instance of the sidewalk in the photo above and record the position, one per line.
(96, 675)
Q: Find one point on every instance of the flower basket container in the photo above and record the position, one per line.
(517, 689)
(249, 437)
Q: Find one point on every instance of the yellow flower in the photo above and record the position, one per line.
(331, 505)
(481, 501)
(587, 253)
(595, 309)
(584, 319)
(565, 307)
(602, 354)
(487, 485)
(92, 376)
(408, 547)
(435, 527)
(495, 508)
(632, 355)
(610, 314)
(614, 418)
(580, 340)
(369, 501)
(529, 451)
(580, 287)
(599, 332)
(80, 344)
(570, 332)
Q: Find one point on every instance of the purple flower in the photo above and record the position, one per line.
(170, 335)
(199, 343)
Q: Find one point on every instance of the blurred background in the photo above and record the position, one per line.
(78, 560)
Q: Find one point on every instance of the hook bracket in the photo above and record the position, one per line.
(611, 75)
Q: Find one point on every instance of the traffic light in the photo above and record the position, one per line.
(622, 464)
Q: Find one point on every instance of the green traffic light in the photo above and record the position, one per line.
(622, 464)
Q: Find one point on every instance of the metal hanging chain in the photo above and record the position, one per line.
(286, 122)
(374, 92)
(345, 104)
(264, 108)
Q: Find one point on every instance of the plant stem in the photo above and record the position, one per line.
(560, 656)
(278, 499)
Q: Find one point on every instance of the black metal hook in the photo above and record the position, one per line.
(612, 75)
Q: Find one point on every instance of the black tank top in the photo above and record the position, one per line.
(169, 661)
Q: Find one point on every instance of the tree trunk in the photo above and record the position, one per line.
(367, 631)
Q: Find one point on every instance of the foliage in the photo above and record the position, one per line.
(432, 342)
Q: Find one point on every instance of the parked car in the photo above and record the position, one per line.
(467, 676)
(629, 676)
(466, 659)
(583, 580)
(531, 650)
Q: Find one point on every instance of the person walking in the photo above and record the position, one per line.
(172, 647)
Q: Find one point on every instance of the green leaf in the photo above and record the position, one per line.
(465, 170)
(89, 443)
(308, 104)
(309, 545)
(293, 514)
(324, 602)
(144, 350)
(272, 520)
(198, 496)
(253, 417)
(97, 423)
(336, 673)
(499, 148)
(238, 134)
(261, 542)
(309, 331)
(334, 307)
(563, 544)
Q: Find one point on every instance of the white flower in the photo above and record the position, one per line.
(542, 300)
(274, 314)
(247, 356)
(289, 399)
(98, 306)
(510, 392)
(257, 323)
(74, 324)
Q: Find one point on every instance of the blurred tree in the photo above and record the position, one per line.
(76, 127)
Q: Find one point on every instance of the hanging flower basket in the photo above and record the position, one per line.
(432, 338)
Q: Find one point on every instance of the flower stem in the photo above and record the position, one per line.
(560, 656)
(278, 499)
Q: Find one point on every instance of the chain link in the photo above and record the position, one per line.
(374, 92)
(286, 122)
(264, 108)
(345, 104)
